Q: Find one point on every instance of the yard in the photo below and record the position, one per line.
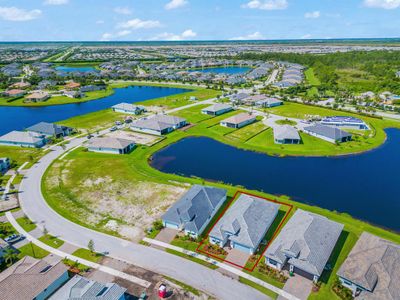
(19, 155)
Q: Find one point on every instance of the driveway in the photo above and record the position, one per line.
(196, 275)
(166, 235)
(237, 257)
(298, 286)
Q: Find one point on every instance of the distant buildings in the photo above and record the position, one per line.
(217, 109)
(286, 134)
(128, 108)
(345, 122)
(239, 120)
(305, 243)
(23, 139)
(195, 209)
(372, 269)
(244, 224)
(111, 145)
(327, 133)
(159, 124)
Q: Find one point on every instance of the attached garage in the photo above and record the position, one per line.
(243, 248)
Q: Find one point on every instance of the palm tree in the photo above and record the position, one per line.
(10, 256)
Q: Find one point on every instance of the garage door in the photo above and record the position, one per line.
(170, 225)
(241, 248)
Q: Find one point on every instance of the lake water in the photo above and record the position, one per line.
(74, 69)
(18, 118)
(224, 70)
(366, 186)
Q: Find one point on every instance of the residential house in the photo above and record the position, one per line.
(37, 97)
(372, 269)
(239, 120)
(51, 129)
(269, 102)
(45, 84)
(23, 139)
(72, 85)
(328, 133)
(238, 98)
(111, 145)
(217, 109)
(73, 94)
(305, 244)
(80, 288)
(92, 88)
(159, 124)
(345, 122)
(30, 278)
(14, 93)
(286, 134)
(195, 209)
(5, 164)
(20, 85)
(128, 108)
(244, 224)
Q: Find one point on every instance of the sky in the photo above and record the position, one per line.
(152, 20)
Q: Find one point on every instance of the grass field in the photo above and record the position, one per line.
(19, 155)
(26, 224)
(52, 241)
(86, 254)
(33, 251)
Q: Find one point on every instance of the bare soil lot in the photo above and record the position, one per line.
(136, 137)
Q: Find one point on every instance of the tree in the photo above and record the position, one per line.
(45, 231)
(91, 246)
(10, 256)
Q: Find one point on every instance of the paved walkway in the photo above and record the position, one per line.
(229, 268)
(59, 253)
(9, 182)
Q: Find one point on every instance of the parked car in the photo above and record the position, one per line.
(118, 123)
(14, 238)
(89, 136)
(114, 128)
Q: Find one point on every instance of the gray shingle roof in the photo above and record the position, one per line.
(79, 288)
(307, 240)
(109, 142)
(21, 137)
(195, 207)
(48, 128)
(217, 107)
(158, 122)
(374, 264)
(286, 132)
(247, 219)
(327, 131)
(127, 106)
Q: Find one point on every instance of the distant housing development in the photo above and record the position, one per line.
(244, 224)
(195, 209)
(305, 243)
(372, 269)
(159, 124)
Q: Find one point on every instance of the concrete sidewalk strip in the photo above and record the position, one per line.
(9, 182)
(224, 266)
(90, 264)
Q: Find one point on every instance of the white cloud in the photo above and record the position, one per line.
(253, 36)
(312, 15)
(56, 2)
(110, 36)
(175, 4)
(139, 24)
(385, 4)
(123, 10)
(166, 36)
(123, 32)
(306, 36)
(266, 4)
(18, 14)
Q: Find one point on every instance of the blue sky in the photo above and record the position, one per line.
(138, 20)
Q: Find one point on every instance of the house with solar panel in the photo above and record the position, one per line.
(345, 122)
(194, 210)
(372, 269)
(244, 224)
(304, 245)
(327, 133)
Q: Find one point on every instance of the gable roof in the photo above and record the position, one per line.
(28, 277)
(195, 207)
(374, 264)
(327, 131)
(110, 142)
(48, 128)
(307, 240)
(286, 132)
(247, 219)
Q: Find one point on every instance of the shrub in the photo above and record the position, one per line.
(275, 274)
(342, 292)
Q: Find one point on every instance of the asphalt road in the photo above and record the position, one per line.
(196, 275)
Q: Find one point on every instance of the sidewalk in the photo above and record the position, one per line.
(59, 253)
(231, 269)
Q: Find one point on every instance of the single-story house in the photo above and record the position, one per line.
(305, 244)
(159, 124)
(92, 88)
(79, 288)
(37, 97)
(195, 209)
(20, 85)
(238, 98)
(23, 139)
(286, 134)
(5, 164)
(111, 145)
(269, 102)
(328, 133)
(44, 84)
(73, 94)
(193, 98)
(345, 122)
(239, 120)
(128, 108)
(254, 98)
(51, 129)
(372, 269)
(30, 278)
(216, 109)
(72, 85)
(14, 93)
(244, 224)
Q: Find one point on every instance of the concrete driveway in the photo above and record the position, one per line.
(166, 235)
(298, 286)
(237, 257)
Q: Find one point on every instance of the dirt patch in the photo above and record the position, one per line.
(136, 137)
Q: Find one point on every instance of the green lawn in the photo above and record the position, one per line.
(19, 155)
(86, 254)
(194, 259)
(260, 288)
(311, 78)
(32, 250)
(193, 114)
(6, 229)
(247, 132)
(52, 241)
(26, 224)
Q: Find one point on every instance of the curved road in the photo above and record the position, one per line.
(196, 275)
